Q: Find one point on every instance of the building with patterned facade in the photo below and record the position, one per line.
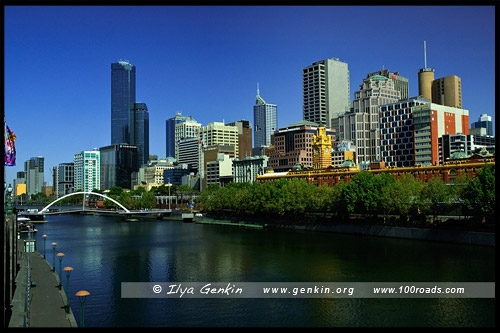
(397, 147)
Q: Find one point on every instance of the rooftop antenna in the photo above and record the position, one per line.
(425, 56)
(258, 94)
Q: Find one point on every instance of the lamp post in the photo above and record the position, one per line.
(54, 244)
(60, 255)
(8, 201)
(67, 270)
(81, 297)
(44, 239)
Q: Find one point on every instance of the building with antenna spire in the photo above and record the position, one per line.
(425, 78)
(444, 91)
(265, 118)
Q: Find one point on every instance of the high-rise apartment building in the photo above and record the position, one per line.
(117, 163)
(122, 101)
(326, 91)
(244, 137)
(447, 91)
(34, 172)
(87, 170)
(63, 179)
(265, 119)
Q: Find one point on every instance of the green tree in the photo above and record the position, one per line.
(479, 194)
(115, 191)
(400, 197)
(147, 201)
(126, 200)
(435, 193)
(366, 189)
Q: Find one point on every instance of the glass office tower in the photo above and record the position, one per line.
(122, 101)
(140, 135)
(265, 118)
(118, 162)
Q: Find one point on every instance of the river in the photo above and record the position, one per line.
(106, 251)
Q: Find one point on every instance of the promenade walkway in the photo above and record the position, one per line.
(45, 305)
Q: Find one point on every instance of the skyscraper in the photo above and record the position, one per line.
(265, 118)
(140, 135)
(122, 101)
(326, 91)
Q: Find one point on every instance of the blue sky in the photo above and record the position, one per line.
(206, 61)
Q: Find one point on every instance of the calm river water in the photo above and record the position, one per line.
(106, 251)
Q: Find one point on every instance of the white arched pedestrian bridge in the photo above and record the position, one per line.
(124, 210)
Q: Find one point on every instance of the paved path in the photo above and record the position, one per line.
(47, 302)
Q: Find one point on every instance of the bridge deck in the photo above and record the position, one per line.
(119, 212)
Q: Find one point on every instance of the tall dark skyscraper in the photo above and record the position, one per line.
(129, 120)
(140, 135)
(122, 101)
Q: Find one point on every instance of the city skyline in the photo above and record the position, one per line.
(206, 61)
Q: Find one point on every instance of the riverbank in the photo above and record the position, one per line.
(439, 233)
(443, 231)
(38, 301)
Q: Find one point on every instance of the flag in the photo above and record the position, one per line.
(10, 148)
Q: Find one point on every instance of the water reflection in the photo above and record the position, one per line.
(107, 251)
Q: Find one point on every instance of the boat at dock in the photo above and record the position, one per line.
(33, 215)
(25, 225)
